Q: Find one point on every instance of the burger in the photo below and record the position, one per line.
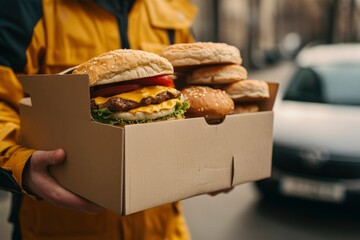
(132, 86)
(212, 104)
(198, 57)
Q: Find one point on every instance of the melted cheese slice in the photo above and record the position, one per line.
(167, 105)
(149, 112)
(138, 94)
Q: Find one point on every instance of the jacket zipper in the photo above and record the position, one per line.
(122, 7)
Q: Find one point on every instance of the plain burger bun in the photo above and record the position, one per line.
(201, 53)
(212, 104)
(248, 90)
(218, 74)
(246, 108)
(123, 65)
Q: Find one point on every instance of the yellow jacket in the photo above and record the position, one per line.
(49, 36)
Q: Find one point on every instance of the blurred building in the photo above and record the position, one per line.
(268, 30)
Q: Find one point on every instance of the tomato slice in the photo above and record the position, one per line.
(113, 90)
(165, 80)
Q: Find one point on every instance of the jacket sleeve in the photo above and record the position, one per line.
(13, 157)
(16, 34)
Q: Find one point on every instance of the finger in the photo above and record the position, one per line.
(42, 159)
(61, 197)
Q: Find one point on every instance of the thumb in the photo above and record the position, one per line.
(43, 159)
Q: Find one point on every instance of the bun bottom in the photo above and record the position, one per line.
(127, 116)
(248, 90)
(246, 108)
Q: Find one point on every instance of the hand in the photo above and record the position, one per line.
(38, 181)
(221, 191)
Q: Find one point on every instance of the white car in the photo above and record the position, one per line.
(316, 152)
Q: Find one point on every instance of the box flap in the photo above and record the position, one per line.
(67, 125)
(268, 104)
(252, 159)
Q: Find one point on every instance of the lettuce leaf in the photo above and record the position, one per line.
(104, 115)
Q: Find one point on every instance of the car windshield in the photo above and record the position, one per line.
(332, 84)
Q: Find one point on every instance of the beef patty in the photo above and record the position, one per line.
(117, 104)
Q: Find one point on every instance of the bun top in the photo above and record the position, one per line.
(201, 53)
(217, 74)
(122, 65)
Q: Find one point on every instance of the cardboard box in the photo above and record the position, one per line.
(136, 167)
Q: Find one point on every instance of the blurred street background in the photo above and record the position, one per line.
(269, 34)
(267, 31)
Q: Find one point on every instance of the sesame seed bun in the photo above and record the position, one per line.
(201, 53)
(248, 90)
(218, 74)
(213, 104)
(123, 65)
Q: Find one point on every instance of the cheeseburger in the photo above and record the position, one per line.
(132, 86)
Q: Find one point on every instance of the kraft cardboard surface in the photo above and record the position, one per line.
(136, 167)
